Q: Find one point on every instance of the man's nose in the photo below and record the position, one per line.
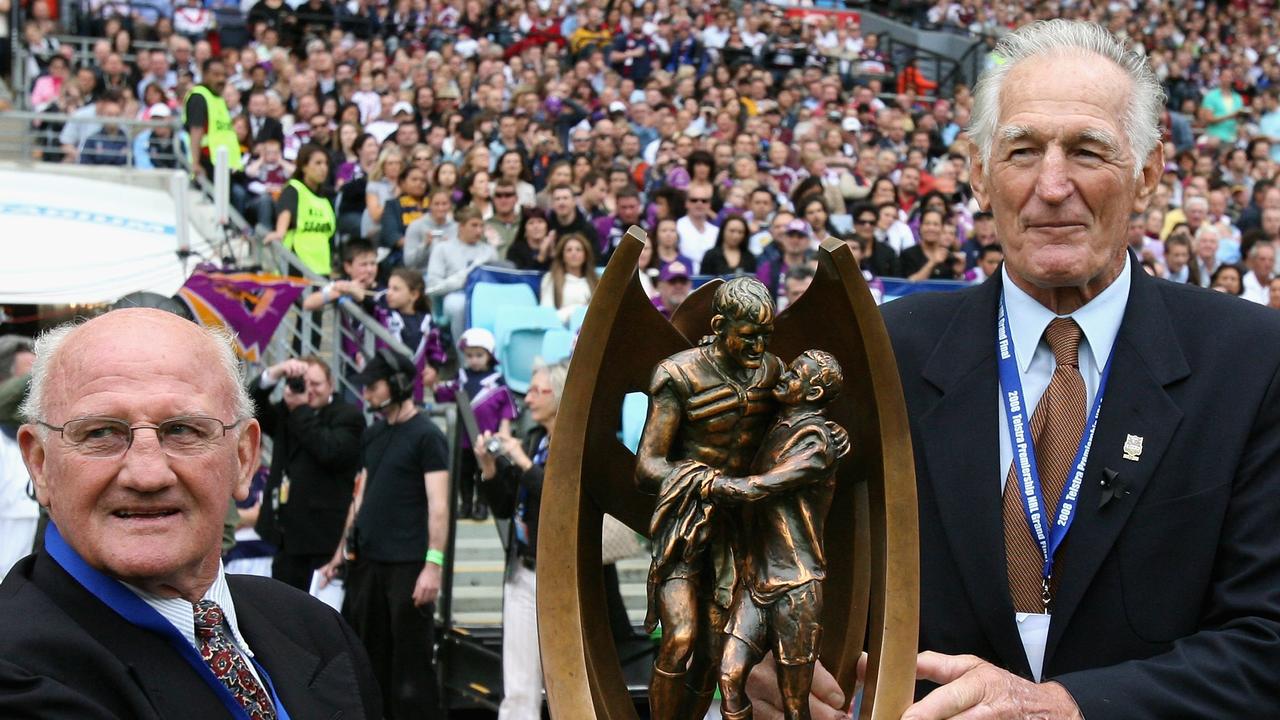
(145, 466)
(1053, 185)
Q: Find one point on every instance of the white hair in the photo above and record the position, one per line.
(1198, 200)
(50, 343)
(1141, 117)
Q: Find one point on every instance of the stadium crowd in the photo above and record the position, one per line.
(395, 146)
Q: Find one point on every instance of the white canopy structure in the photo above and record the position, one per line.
(75, 239)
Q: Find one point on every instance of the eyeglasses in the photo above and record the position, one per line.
(105, 437)
(539, 391)
(504, 194)
(699, 200)
(866, 221)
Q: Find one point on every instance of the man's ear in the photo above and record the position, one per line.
(31, 445)
(814, 393)
(717, 324)
(247, 448)
(1149, 180)
(978, 177)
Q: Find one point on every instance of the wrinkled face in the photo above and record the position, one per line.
(1060, 181)
(744, 341)
(1262, 261)
(147, 517)
(541, 399)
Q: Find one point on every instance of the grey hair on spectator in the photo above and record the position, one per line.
(10, 346)
(49, 343)
(1141, 118)
(1258, 247)
(1198, 200)
(556, 373)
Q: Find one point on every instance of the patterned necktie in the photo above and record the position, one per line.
(1056, 428)
(218, 650)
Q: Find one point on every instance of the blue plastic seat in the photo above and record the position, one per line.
(557, 344)
(519, 332)
(489, 299)
(575, 320)
(635, 408)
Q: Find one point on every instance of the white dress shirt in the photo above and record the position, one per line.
(1254, 289)
(1099, 320)
(181, 615)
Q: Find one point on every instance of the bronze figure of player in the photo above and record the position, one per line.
(709, 406)
(777, 604)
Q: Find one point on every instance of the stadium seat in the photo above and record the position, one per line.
(635, 408)
(488, 300)
(519, 332)
(575, 320)
(557, 344)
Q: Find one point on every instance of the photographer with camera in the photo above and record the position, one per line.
(314, 460)
(511, 479)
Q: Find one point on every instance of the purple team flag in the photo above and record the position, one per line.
(250, 304)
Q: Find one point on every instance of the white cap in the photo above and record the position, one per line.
(478, 337)
(851, 124)
(159, 110)
(617, 107)
(401, 107)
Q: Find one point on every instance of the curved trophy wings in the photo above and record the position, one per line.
(872, 553)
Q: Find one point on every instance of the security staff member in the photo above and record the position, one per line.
(205, 115)
(304, 215)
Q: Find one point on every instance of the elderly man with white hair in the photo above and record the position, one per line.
(1082, 558)
(138, 435)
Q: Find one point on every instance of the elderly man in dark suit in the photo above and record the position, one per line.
(138, 436)
(1097, 477)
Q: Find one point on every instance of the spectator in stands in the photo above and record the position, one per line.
(437, 226)
(1261, 261)
(797, 280)
(110, 144)
(512, 480)
(450, 263)
(876, 255)
(1177, 260)
(155, 147)
(409, 205)
(1206, 254)
(572, 279)
(730, 255)
(674, 284)
(501, 227)
(305, 220)
(513, 168)
(934, 258)
(265, 177)
(696, 232)
(531, 249)
(19, 513)
(405, 311)
(566, 217)
(795, 250)
(611, 228)
(84, 123)
(989, 259)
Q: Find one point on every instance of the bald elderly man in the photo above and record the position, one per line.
(138, 435)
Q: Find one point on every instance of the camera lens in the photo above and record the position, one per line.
(296, 384)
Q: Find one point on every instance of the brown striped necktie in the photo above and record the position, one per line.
(1056, 428)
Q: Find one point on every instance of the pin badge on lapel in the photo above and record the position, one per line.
(1132, 447)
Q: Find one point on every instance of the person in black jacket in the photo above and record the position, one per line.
(511, 480)
(314, 459)
(877, 256)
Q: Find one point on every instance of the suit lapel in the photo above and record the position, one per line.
(1146, 359)
(293, 669)
(960, 434)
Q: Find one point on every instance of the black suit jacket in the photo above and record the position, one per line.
(65, 654)
(1169, 597)
(319, 450)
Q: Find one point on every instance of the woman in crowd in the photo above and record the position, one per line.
(409, 205)
(512, 168)
(381, 189)
(730, 255)
(531, 249)
(933, 257)
(572, 278)
(353, 184)
(304, 215)
(475, 192)
(446, 178)
(1227, 279)
(666, 246)
(348, 151)
(512, 483)
(813, 210)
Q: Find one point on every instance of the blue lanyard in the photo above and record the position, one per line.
(1024, 452)
(132, 608)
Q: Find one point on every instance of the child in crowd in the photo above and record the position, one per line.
(404, 309)
(490, 400)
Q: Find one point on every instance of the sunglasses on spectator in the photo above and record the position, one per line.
(504, 194)
(866, 221)
(699, 199)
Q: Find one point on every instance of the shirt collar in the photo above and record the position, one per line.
(181, 614)
(1099, 319)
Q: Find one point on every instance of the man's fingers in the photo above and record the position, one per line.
(947, 701)
(826, 689)
(942, 669)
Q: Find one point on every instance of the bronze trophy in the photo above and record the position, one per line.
(742, 459)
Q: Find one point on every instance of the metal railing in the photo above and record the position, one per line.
(89, 140)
